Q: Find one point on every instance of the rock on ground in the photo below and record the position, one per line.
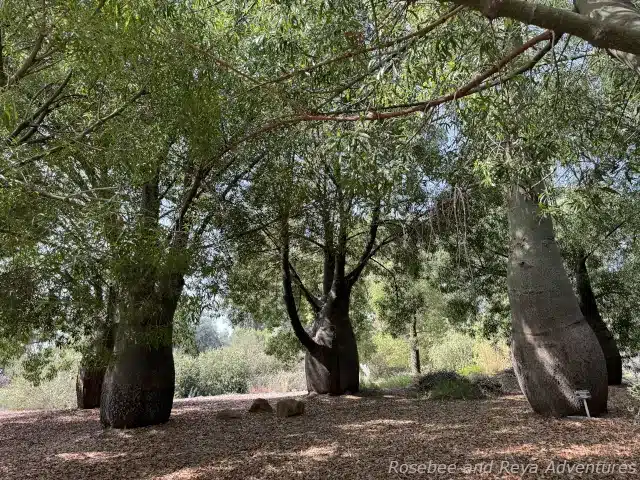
(289, 407)
(260, 405)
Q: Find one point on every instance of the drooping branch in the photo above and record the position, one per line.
(608, 234)
(600, 32)
(101, 121)
(475, 85)
(313, 241)
(231, 185)
(90, 129)
(354, 53)
(289, 299)
(223, 196)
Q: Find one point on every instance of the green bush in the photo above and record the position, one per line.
(447, 385)
(56, 389)
(223, 371)
(213, 372)
(461, 389)
(390, 357)
(240, 367)
(395, 381)
(454, 352)
(490, 357)
(281, 381)
(187, 375)
(470, 370)
(250, 346)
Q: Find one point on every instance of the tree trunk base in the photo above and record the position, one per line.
(138, 387)
(89, 387)
(551, 367)
(334, 370)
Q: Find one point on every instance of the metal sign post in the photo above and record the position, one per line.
(584, 395)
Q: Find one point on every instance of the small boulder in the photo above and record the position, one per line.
(260, 405)
(228, 413)
(289, 407)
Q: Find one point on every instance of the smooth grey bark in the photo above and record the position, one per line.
(415, 350)
(589, 308)
(554, 350)
(618, 12)
(614, 33)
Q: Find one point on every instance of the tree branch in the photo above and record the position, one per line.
(609, 233)
(29, 61)
(288, 297)
(90, 129)
(353, 53)
(353, 276)
(314, 301)
(38, 116)
(318, 244)
(599, 33)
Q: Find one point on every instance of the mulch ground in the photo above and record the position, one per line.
(337, 437)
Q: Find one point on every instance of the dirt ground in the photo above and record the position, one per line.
(337, 438)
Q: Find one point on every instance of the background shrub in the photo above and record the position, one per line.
(56, 389)
(454, 352)
(242, 366)
(491, 357)
(223, 371)
(390, 355)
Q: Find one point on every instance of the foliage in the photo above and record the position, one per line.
(454, 352)
(491, 357)
(54, 390)
(447, 385)
(227, 115)
(470, 370)
(390, 356)
(387, 383)
(240, 367)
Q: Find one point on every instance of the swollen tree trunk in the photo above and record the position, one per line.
(415, 351)
(96, 358)
(331, 363)
(139, 382)
(589, 308)
(554, 350)
(333, 367)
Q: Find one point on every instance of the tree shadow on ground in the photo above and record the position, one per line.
(337, 437)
